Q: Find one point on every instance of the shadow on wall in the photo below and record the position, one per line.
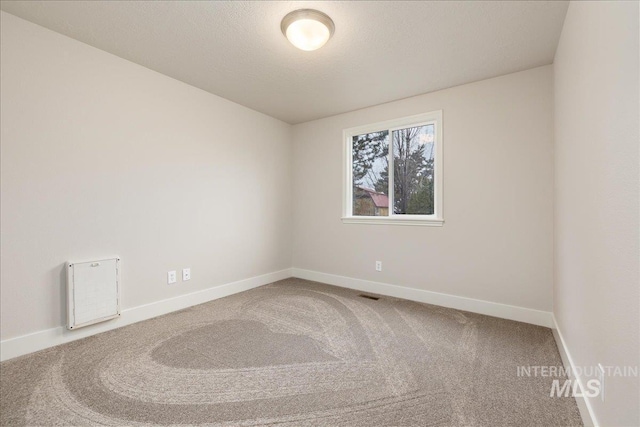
(63, 293)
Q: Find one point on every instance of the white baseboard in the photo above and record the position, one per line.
(504, 311)
(40, 340)
(586, 411)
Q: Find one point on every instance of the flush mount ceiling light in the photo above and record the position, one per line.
(307, 29)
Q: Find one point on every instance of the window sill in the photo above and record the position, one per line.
(377, 220)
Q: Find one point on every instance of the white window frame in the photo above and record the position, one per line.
(436, 219)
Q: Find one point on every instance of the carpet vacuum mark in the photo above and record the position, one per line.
(293, 353)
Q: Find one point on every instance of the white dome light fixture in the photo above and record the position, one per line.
(307, 29)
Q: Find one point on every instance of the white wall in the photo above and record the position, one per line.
(101, 156)
(597, 283)
(496, 243)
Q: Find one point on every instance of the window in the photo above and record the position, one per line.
(393, 172)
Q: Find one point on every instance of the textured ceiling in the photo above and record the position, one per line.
(381, 51)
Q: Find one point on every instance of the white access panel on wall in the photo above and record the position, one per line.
(93, 292)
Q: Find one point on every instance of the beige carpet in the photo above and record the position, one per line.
(293, 353)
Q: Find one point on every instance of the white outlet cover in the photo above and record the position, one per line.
(378, 265)
(186, 274)
(171, 277)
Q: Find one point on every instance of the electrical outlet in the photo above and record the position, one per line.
(378, 265)
(171, 277)
(186, 274)
(601, 379)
